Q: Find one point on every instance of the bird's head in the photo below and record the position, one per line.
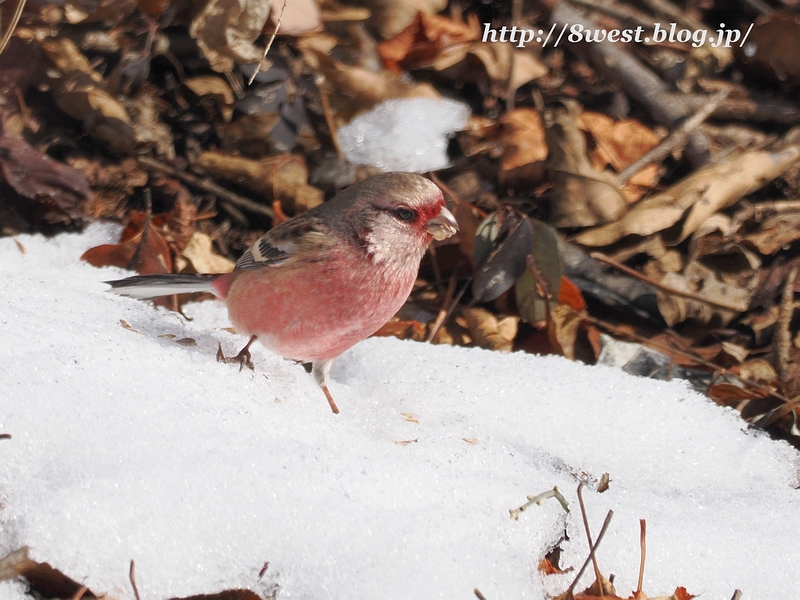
(395, 216)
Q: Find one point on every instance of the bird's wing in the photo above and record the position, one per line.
(303, 235)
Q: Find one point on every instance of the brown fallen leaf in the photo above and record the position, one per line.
(48, 190)
(704, 192)
(521, 135)
(79, 91)
(582, 196)
(490, 331)
(619, 144)
(202, 257)
(775, 233)
(226, 29)
(727, 301)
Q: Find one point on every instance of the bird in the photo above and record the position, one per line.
(317, 284)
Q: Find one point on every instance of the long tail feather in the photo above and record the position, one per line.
(153, 286)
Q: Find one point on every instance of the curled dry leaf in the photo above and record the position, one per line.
(775, 233)
(142, 248)
(489, 331)
(78, 92)
(52, 190)
(226, 29)
(199, 251)
(582, 196)
(213, 93)
(283, 177)
(619, 144)
(729, 300)
(702, 193)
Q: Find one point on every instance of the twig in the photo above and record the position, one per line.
(330, 121)
(538, 499)
(633, 273)
(12, 26)
(603, 529)
(677, 138)
(737, 595)
(443, 311)
(783, 337)
(269, 44)
(478, 594)
(441, 318)
(207, 186)
(643, 546)
(598, 576)
(5, 436)
(132, 577)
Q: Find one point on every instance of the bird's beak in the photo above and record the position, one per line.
(442, 226)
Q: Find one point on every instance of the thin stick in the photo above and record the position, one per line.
(269, 44)
(207, 186)
(677, 138)
(633, 273)
(132, 577)
(538, 499)
(643, 546)
(598, 576)
(783, 337)
(440, 321)
(478, 594)
(442, 315)
(602, 533)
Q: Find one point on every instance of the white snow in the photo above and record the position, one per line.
(132, 446)
(404, 134)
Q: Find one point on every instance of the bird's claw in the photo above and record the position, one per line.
(243, 358)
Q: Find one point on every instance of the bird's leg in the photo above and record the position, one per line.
(319, 371)
(243, 358)
(333, 406)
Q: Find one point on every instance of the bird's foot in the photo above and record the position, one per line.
(243, 358)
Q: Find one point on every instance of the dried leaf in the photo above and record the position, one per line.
(581, 195)
(701, 281)
(776, 232)
(490, 331)
(702, 193)
(226, 29)
(521, 135)
(619, 144)
(146, 252)
(200, 253)
(53, 190)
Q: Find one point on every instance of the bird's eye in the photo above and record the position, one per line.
(405, 214)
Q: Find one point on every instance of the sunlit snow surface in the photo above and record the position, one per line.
(404, 134)
(128, 445)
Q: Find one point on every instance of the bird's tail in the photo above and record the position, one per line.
(153, 286)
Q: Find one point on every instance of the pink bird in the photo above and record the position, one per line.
(317, 284)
